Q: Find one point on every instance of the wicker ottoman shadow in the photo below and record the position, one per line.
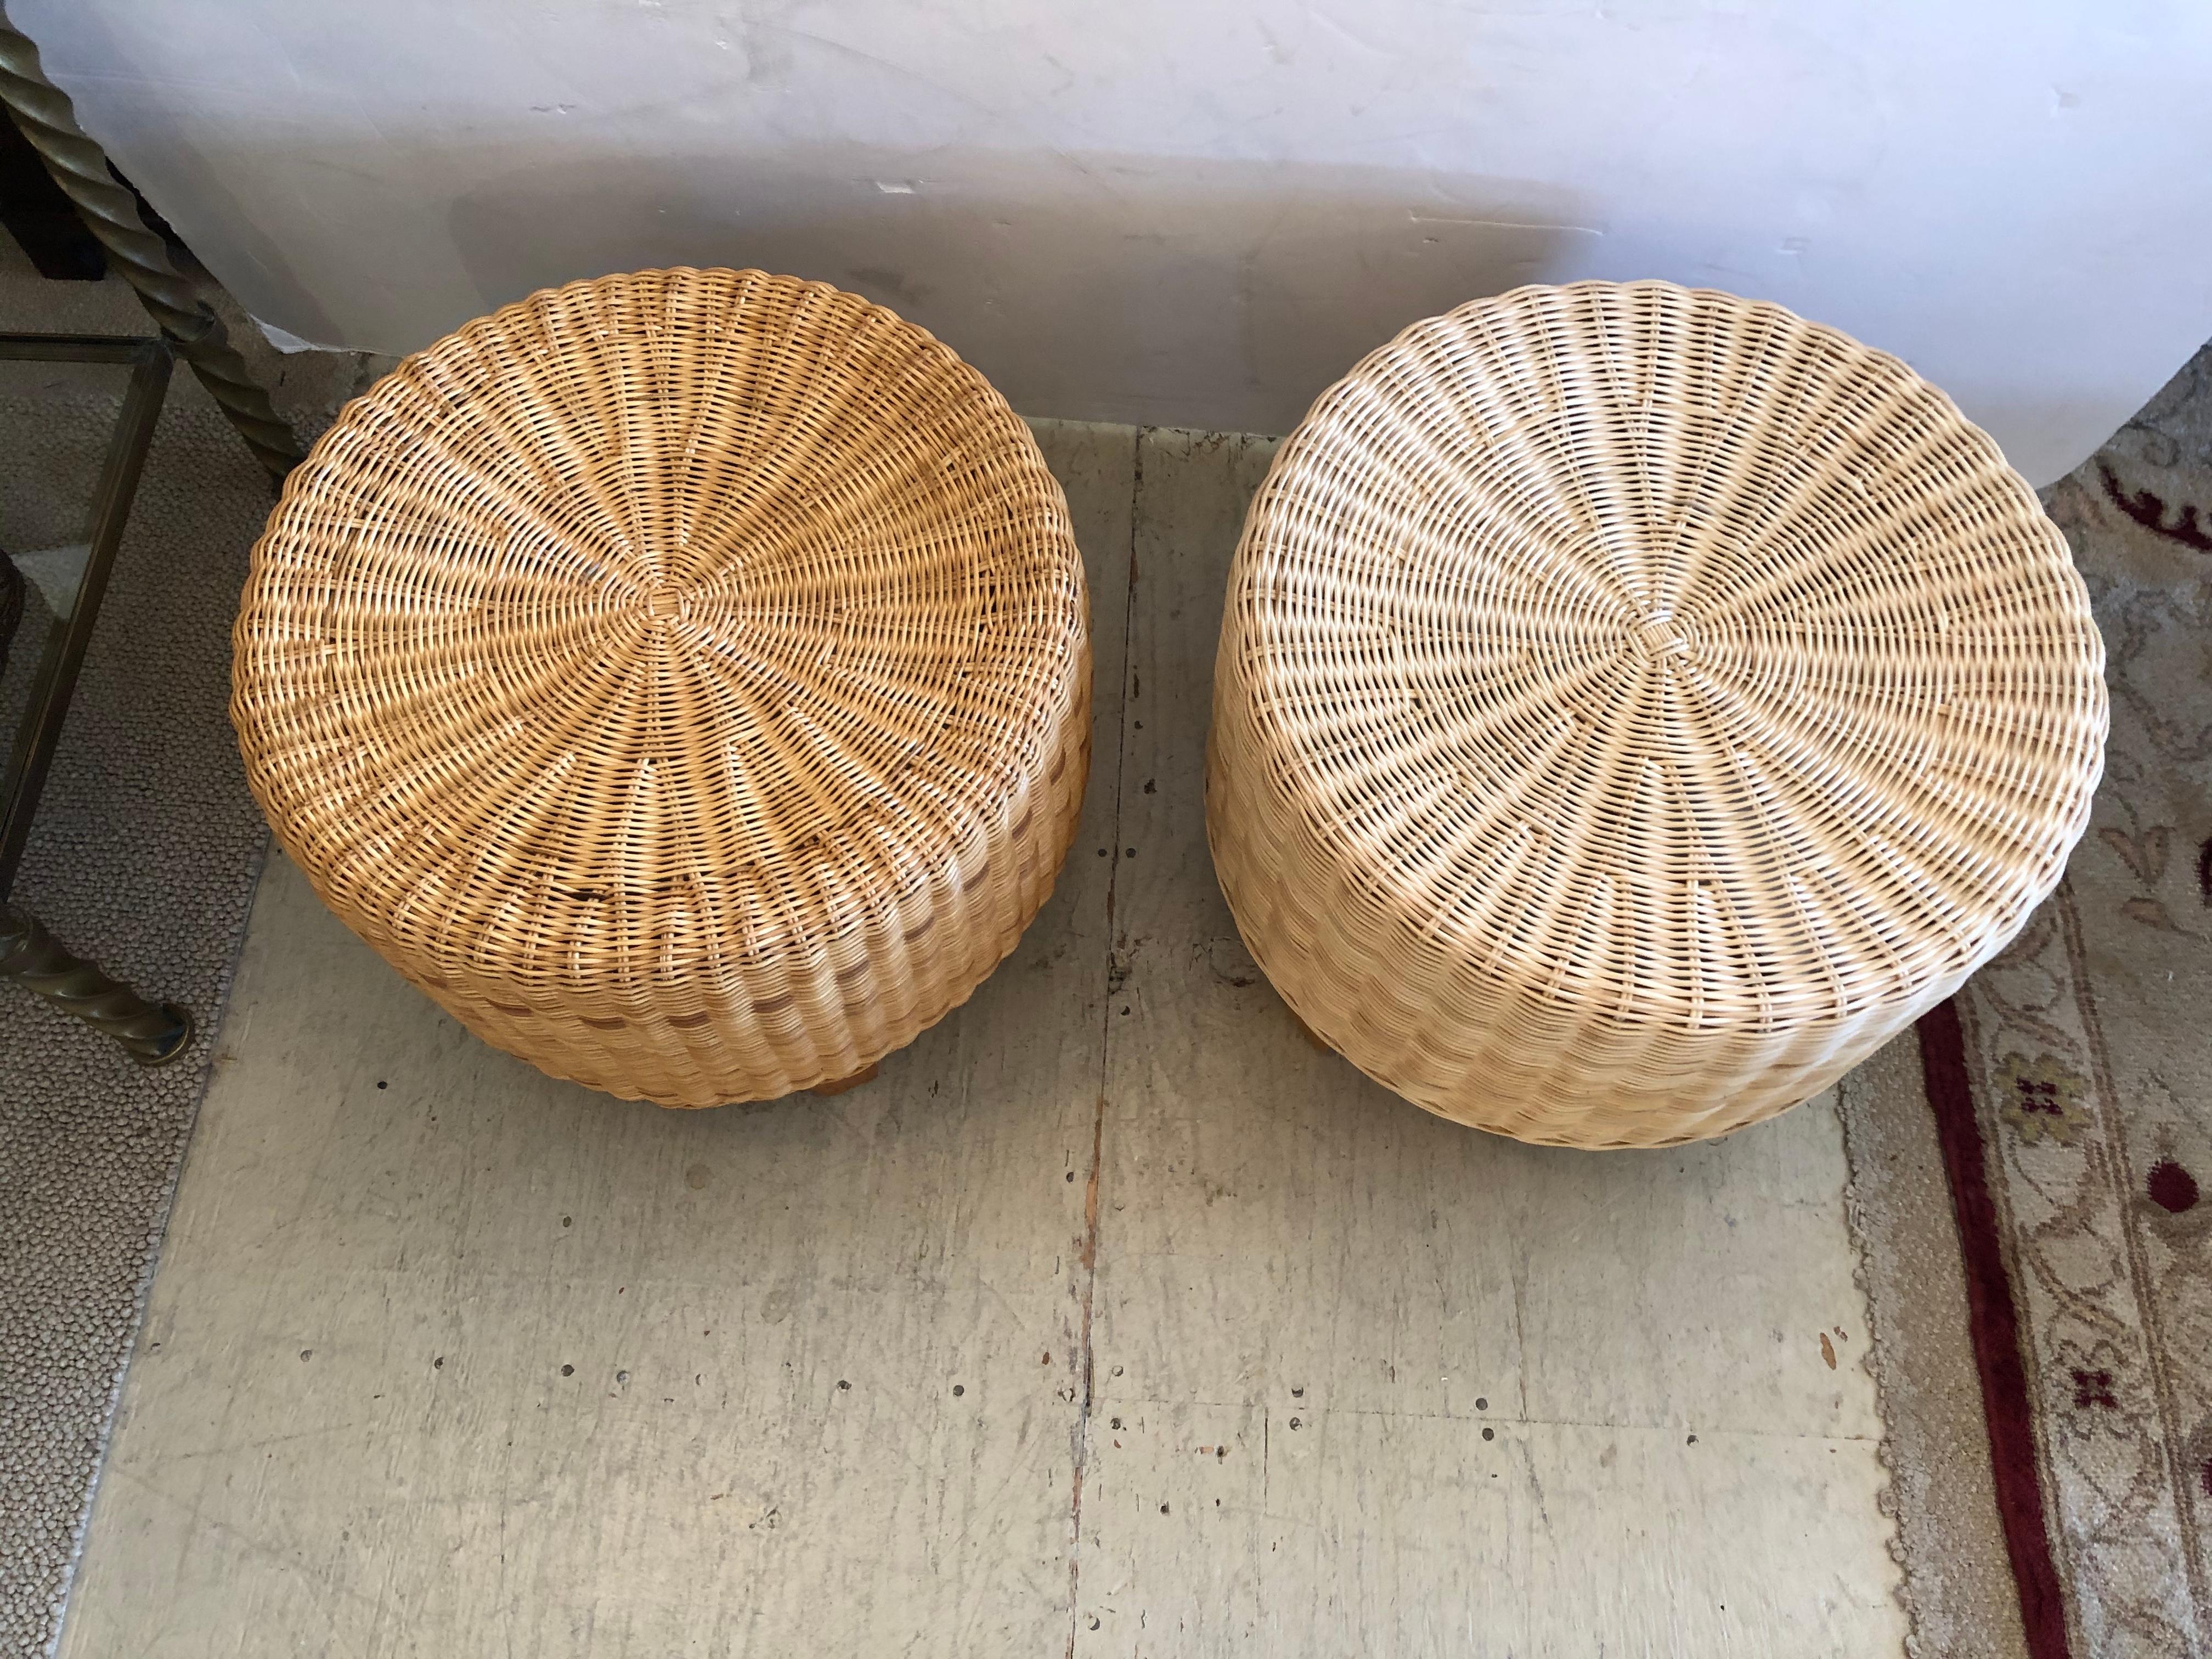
(1634, 705)
(681, 677)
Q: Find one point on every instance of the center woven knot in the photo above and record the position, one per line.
(1658, 635)
(663, 604)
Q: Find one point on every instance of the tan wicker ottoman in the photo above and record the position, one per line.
(1634, 705)
(681, 677)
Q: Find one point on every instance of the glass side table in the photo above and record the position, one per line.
(153, 1034)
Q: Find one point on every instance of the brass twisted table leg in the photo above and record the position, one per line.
(153, 1034)
(79, 165)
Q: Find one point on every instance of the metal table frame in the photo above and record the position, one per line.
(153, 1034)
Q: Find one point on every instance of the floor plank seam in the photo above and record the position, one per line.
(1498, 1419)
(1087, 1259)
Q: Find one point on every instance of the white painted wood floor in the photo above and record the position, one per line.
(1113, 1319)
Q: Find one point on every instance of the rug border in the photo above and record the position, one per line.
(1993, 1323)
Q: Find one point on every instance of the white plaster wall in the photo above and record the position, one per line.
(1202, 211)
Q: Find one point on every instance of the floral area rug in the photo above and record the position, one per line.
(2072, 1082)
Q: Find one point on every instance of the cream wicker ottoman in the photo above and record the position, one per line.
(681, 677)
(1633, 705)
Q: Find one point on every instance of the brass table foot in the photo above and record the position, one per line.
(152, 1034)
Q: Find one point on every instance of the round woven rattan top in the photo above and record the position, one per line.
(656, 626)
(1662, 653)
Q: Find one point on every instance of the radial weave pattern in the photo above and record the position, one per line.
(681, 676)
(1634, 705)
